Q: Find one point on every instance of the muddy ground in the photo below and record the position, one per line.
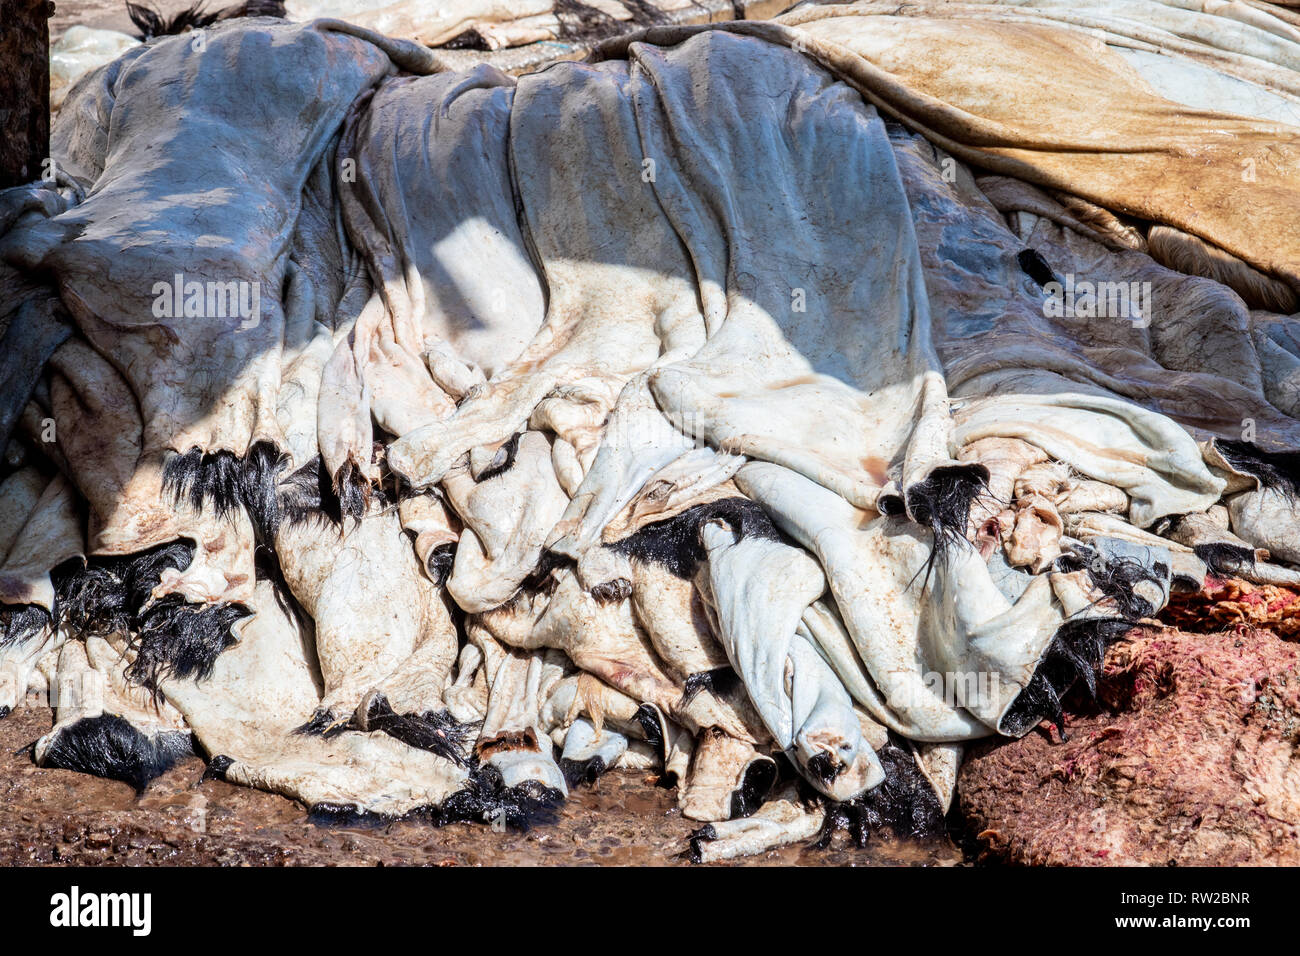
(57, 816)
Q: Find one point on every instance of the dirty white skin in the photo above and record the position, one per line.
(261, 690)
(50, 534)
(434, 304)
(672, 614)
(373, 609)
(513, 739)
(758, 589)
(19, 663)
(667, 338)
(598, 728)
(940, 763)
(781, 821)
(611, 289)
(720, 771)
(808, 363)
(177, 411)
(497, 23)
(874, 577)
(584, 743)
(1260, 512)
(19, 493)
(506, 519)
(603, 639)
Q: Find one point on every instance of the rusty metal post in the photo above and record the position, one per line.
(24, 89)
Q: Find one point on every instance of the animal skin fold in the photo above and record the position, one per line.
(674, 410)
(262, 689)
(372, 605)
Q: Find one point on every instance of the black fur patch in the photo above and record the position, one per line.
(942, 503)
(438, 733)
(1277, 470)
(305, 496)
(110, 746)
(705, 834)
(503, 460)
(1036, 267)
(5, 711)
(350, 815)
(755, 785)
(647, 716)
(225, 482)
(541, 579)
(112, 596)
(317, 724)
(1115, 577)
(1077, 651)
(106, 595)
(352, 490)
(440, 562)
(580, 21)
(21, 622)
(645, 14)
(1224, 558)
(824, 767)
(904, 803)
(718, 682)
(612, 592)
(675, 542)
(471, 39)
(151, 23)
(217, 767)
(486, 799)
(181, 640)
(201, 478)
(258, 477)
(582, 772)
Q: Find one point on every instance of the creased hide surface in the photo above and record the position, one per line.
(707, 406)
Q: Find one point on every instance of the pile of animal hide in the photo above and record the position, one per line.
(777, 405)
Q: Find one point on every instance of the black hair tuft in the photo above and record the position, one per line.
(582, 772)
(435, 731)
(1077, 650)
(503, 460)
(1036, 267)
(21, 622)
(674, 543)
(440, 562)
(942, 503)
(1222, 558)
(353, 491)
(755, 785)
(1279, 471)
(904, 803)
(111, 746)
(181, 640)
(486, 799)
